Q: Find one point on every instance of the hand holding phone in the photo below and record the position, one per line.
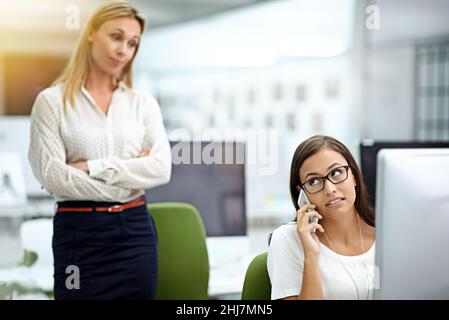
(302, 200)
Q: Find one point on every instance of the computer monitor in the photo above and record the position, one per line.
(368, 158)
(216, 189)
(412, 224)
(12, 183)
(15, 137)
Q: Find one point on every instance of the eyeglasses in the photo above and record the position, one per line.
(336, 176)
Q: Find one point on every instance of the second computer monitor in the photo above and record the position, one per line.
(368, 157)
(210, 176)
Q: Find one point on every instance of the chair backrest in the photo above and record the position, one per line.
(183, 263)
(36, 235)
(257, 285)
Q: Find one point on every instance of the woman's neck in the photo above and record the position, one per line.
(342, 229)
(100, 82)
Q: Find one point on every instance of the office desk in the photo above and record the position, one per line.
(226, 281)
(229, 258)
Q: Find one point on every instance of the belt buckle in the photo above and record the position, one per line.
(115, 209)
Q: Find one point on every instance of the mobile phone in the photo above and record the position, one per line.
(302, 200)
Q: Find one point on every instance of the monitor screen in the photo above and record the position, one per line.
(216, 188)
(412, 224)
(368, 158)
(15, 137)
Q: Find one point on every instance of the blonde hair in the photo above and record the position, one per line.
(78, 68)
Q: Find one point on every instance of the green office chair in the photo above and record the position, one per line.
(257, 284)
(183, 263)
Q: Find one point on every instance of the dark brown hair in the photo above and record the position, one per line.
(311, 146)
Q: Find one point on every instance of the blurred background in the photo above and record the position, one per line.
(360, 71)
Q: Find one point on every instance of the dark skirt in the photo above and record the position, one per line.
(104, 255)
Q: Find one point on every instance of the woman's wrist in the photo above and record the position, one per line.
(311, 259)
(80, 165)
(86, 167)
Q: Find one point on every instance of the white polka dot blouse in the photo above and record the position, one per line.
(110, 143)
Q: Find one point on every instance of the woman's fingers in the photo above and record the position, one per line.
(319, 227)
(309, 230)
(308, 216)
(313, 226)
(304, 217)
(315, 237)
(144, 152)
(304, 209)
(313, 213)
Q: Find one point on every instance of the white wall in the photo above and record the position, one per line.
(253, 37)
(286, 43)
(389, 88)
(388, 64)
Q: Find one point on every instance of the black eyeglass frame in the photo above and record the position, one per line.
(347, 167)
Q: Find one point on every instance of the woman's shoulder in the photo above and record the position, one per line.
(49, 99)
(147, 104)
(143, 97)
(55, 91)
(285, 246)
(146, 99)
(286, 230)
(286, 235)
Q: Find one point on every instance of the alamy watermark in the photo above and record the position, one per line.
(261, 147)
(72, 21)
(372, 21)
(72, 282)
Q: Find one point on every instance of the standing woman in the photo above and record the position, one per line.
(96, 144)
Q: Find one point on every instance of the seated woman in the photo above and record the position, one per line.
(334, 258)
